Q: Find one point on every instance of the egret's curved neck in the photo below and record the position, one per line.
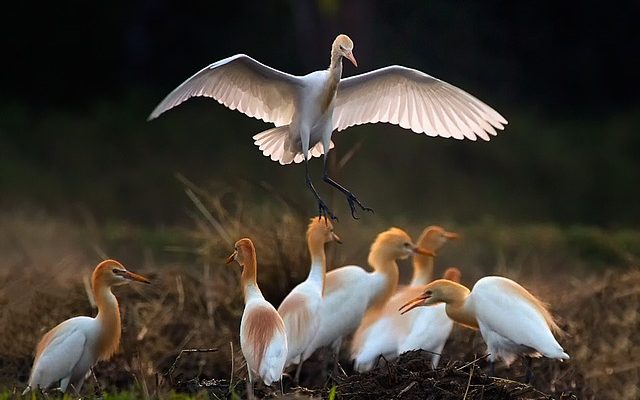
(460, 310)
(318, 261)
(108, 319)
(387, 266)
(249, 279)
(422, 270)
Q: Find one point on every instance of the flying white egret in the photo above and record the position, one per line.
(307, 109)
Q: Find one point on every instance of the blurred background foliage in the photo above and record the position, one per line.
(80, 78)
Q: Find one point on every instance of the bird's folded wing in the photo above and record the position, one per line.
(61, 354)
(413, 100)
(240, 82)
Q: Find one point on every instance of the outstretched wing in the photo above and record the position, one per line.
(413, 100)
(242, 83)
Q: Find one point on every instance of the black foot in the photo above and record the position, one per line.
(324, 211)
(353, 201)
(492, 368)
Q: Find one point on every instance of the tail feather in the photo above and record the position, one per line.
(274, 143)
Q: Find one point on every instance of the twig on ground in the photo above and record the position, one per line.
(173, 366)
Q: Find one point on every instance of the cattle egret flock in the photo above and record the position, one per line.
(328, 307)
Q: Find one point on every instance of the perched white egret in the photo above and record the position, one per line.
(300, 310)
(307, 109)
(67, 352)
(350, 291)
(263, 338)
(511, 320)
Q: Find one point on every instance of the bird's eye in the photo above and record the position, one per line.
(115, 271)
(342, 48)
(407, 244)
(428, 293)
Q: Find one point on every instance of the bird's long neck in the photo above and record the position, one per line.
(335, 68)
(249, 278)
(422, 270)
(108, 319)
(318, 261)
(461, 311)
(387, 266)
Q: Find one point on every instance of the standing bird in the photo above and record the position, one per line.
(432, 238)
(263, 338)
(430, 327)
(307, 109)
(350, 291)
(388, 335)
(511, 320)
(300, 310)
(67, 352)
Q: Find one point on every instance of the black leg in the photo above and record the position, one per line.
(323, 210)
(528, 377)
(351, 198)
(492, 368)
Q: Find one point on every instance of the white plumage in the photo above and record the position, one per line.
(511, 320)
(393, 333)
(301, 309)
(350, 291)
(67, 352)
(262, 334)
(307, 109)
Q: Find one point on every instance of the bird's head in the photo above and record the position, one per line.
(112, 273)
(243, 252)
(343, 45)
(395, 244)
(434, 237)
(321, 231)
(452, 274)
(438, 291)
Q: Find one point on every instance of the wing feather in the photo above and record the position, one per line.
(242, 83)
(416, 101)
(57, 354)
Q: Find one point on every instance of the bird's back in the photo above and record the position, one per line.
(346, 298)
(64, 352)
(263, 340)
(300, 312)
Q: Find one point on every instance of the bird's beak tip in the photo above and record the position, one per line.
(231, 258)
(137, 278)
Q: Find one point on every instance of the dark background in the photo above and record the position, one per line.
(80, 78)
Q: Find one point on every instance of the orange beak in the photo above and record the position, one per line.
(411, 304)
(135, 277)
(336, 238)
(451, 235)
(232, 257)
(351, 58)
(424, 252)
